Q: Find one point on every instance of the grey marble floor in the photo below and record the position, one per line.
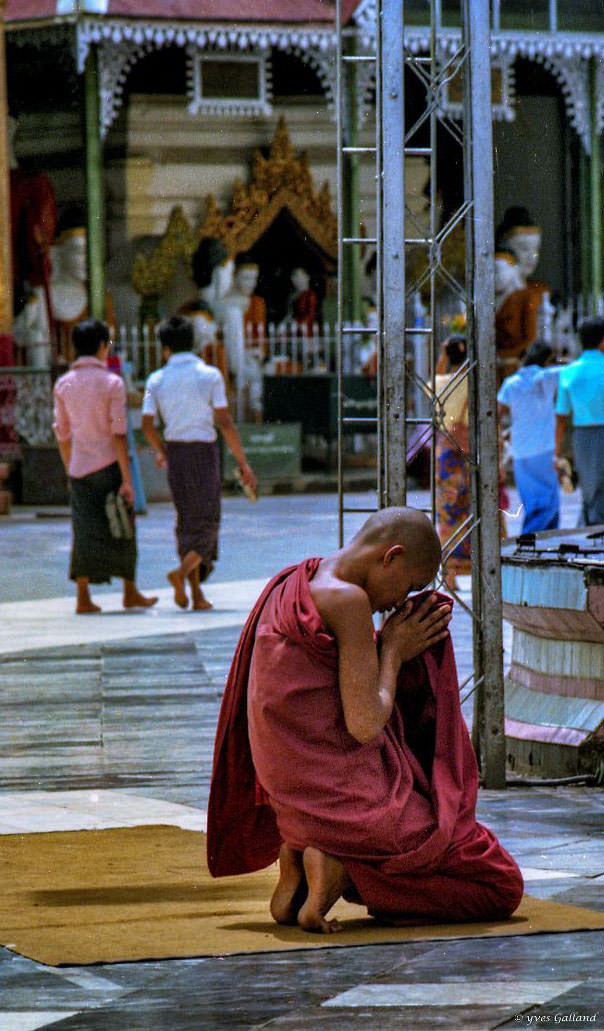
(141, 717)
(134, 719)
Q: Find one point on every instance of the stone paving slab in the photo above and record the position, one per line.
(51, 622)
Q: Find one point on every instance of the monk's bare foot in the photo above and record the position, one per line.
(291, 888)
(136, 600)
(201, 603)
(180, 595)
(85, 607)
(326, 881)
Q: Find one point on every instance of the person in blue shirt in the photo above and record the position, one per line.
(581, 405)
(527, 398)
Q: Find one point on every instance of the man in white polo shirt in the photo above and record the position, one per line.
(189, 398)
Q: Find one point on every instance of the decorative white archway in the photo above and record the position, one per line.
(121, 45)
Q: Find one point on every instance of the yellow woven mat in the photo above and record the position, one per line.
(73, 898)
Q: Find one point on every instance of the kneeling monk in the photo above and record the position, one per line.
(346, 754)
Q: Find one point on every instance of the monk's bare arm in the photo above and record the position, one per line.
(367, 685)
(368, 682)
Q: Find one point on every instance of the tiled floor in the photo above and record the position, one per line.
(119, 731)
(38, 811)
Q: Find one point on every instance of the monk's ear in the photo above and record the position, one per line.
(392, 552)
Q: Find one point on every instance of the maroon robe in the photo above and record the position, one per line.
(399, 811)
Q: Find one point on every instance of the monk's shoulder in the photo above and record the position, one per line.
(339, 601)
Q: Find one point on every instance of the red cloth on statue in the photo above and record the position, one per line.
(399, 812)
(33, 213)
(304, 308)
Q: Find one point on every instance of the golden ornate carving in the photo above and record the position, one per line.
(281, 180)
(151, 276)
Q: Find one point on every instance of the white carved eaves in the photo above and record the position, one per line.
(572, 76)
(159, 34)
(521, 43)
(564, 54)
(322, 59)
(365, 20)
(115, 62)
(231, 107)
(122, 45)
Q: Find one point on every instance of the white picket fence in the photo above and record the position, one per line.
(283, 350)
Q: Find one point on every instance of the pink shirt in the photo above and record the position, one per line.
(89, 410)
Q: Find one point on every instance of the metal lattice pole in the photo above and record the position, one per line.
(489, 734)
(393, 379)
(413, 260)
(348, 60)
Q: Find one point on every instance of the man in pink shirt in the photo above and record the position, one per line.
(90, 427)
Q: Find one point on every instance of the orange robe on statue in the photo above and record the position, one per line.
(254, 323)
(516, 328)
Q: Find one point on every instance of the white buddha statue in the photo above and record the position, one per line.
(212, 269)
(68, 296)
(517, 314)
(31, 330)
(508, 276)
(242, 315)
(519, 233)
(525, 244)
(221, 282)
(303, 301)
(68, 284)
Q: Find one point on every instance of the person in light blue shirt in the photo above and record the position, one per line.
(528, 398)
(581, 405)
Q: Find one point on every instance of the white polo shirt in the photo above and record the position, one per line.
(184, 394)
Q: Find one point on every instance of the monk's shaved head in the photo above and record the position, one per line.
(406, 526)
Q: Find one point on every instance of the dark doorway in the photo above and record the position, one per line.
(283, 247)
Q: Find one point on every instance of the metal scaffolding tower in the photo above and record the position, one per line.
(406, 352)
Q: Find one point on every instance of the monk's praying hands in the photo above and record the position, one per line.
(416, 627)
